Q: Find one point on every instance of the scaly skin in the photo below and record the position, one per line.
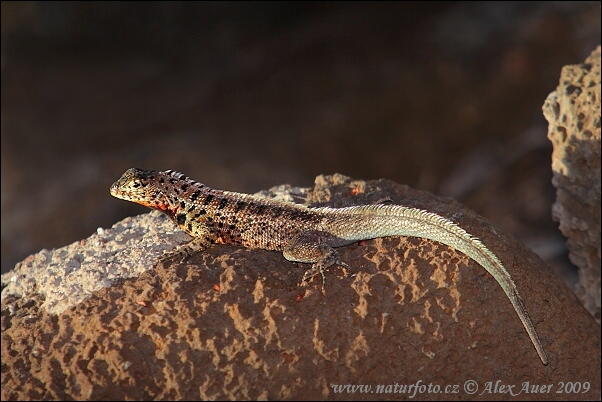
(303, 234)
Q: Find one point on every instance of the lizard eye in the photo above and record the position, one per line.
(139, 183)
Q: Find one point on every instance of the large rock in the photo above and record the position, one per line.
(573, 114)
(232, 323)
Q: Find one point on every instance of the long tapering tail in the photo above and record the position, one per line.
(396, 220)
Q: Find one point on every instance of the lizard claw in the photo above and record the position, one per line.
(321, 269)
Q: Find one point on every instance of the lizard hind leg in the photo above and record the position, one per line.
(313, 247)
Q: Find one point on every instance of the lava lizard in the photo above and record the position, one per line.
(303, 234)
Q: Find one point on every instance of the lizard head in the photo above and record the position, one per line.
(148, 187)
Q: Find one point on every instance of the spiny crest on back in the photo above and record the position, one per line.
(175, 174)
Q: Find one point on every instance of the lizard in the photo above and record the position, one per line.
(303, 234)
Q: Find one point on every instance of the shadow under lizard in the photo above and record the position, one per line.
(303, 234)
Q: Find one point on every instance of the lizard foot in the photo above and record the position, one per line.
(185, 251)
(181, 252)
(320, 268)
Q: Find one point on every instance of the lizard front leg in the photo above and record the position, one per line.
(313, 247)
(203, 237)
(186, 250)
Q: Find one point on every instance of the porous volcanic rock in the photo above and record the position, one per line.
(232, 323)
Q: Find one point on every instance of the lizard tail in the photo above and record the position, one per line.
(396, 220)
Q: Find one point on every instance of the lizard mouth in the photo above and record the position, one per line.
(115, 190)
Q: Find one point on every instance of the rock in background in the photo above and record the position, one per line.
(573, 113)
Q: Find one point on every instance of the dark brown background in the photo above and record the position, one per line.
(445, 97)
